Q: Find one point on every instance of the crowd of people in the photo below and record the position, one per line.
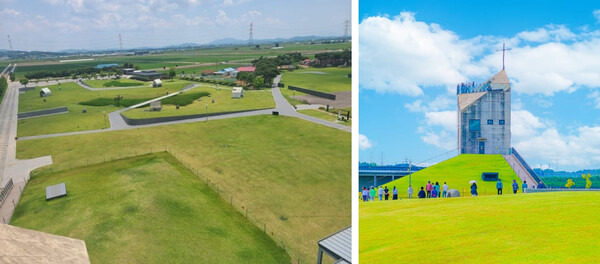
(430, 190)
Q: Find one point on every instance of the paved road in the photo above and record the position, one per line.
(10, 167)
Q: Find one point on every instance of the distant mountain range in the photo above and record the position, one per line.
(220, 42)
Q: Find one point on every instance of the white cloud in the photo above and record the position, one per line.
(581, 149)
(595, 96)
(445, 119)
(406, 56)
(524, 125)
(364, 143)
(443, 139)
(222, 18)
(597, 14)
(228, 2)
(9, 11)
(548, 33)
(403, 55)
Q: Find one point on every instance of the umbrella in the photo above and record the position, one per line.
(473, 181)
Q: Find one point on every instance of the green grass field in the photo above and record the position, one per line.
(116, 83)
(146, 209)
(522, 228)
(222, 103)
(458, 171)
(291, 174)
(69, 94)
(324, 115)
(330, 79)
(179, 58)
(334, 80)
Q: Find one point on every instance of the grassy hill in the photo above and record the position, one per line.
(146, 209)
(523, 228)
(291, 174)
(458, 171)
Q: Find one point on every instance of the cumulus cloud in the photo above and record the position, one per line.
(364, 143)
(548, 33)
(595, 97)
(406, 56)
(402, 55)
(597, 14)
(582, 149)
(9, 11)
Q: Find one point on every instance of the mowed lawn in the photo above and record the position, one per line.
(116, 83)
(458, 172)
(291, 174)
(146, 209)
(70, 94)
(218, 102)
(328, 80)
(523, 228)
(318, 113)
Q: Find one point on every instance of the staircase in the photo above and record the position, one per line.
(522, 169)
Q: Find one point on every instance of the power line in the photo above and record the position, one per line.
(346, 28)
(250, 38)
(9, 42)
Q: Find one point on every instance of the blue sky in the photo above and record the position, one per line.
(413, 53)
(95, 24)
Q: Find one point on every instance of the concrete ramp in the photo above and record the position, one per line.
(520, 170)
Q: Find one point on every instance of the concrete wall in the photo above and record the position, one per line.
(313, 92)
(25, 89)
(494, 105)
(57, 110)
(147, 121)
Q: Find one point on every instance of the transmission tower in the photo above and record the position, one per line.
(250, 38)
(346, 28)
(9, 42)
(120, 43)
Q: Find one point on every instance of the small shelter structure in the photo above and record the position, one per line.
(157, 83)
(237, 92)
(45, 92)
(155, 106)
(338, 246)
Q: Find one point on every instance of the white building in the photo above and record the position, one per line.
(157, 83)
(237, 92)
(45, 92)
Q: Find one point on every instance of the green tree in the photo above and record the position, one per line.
(258, 82)
(267, 68)
(570, 183)
(12, 76)
(24, 81)
(588, 183)
(172, 72)
(246, 77)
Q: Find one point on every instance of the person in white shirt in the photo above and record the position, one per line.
(445, 188)
(410, 192)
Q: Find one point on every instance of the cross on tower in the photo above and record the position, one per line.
(503, 50)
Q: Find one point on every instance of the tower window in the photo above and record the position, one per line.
(490, 121)
(474, 125)
(501, 122)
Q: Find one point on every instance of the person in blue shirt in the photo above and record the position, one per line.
(474, 189)
(499, 187)
(422, 193)
(437, 188)
(524, 187)
(515, 186)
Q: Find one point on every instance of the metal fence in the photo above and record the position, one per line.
(560, 190)
(5, 191)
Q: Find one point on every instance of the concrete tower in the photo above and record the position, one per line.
(484, 116)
